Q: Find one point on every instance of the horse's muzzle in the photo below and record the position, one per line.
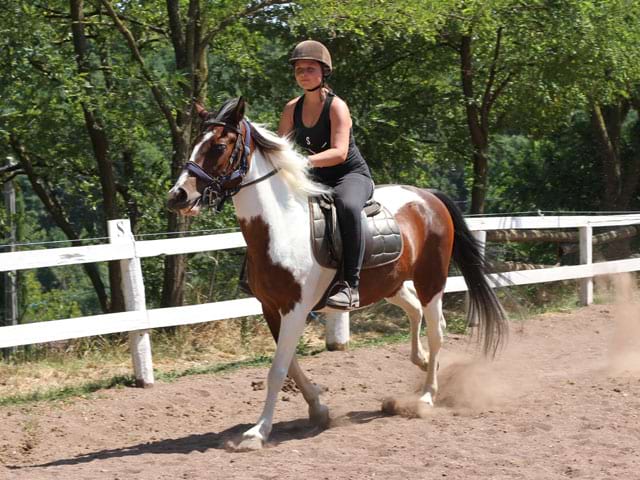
(178, 201)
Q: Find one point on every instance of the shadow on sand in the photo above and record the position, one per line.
(282, 432)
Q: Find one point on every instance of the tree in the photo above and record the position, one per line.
(191, 31)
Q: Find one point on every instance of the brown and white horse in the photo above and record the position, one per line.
(268, 182)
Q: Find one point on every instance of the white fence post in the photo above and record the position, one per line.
(586, 257)
(337, 330)
(134, 297)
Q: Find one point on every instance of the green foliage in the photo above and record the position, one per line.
(397, 64)
(56, 303)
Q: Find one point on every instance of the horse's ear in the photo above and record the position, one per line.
(239, 113)
(202, 112)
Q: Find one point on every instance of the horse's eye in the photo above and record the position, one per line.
(219, 148)
(216, 150)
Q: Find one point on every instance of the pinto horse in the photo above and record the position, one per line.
(270, 187)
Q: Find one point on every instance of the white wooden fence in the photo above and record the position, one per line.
(138, 320)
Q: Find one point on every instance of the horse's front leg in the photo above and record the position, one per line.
(292, 326)
(318, 413)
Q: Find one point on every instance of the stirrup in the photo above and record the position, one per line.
(343, 297)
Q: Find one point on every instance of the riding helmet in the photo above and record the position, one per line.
(313, 50)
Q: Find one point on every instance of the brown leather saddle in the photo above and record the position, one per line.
(383, 242)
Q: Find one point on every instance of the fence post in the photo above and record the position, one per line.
(337, 330)
(586, 257)
(481, 237)
(134, 297)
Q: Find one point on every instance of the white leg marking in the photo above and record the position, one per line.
(435, 335)
(292, 326)
(407, 299)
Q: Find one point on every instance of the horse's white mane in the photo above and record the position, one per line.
(294, 167)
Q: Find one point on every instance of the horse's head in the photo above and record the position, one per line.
(218, 163)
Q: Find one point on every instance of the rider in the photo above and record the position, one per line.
(320, 123)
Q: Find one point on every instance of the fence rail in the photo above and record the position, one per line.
(138, 320)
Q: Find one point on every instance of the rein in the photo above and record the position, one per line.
(217, 190)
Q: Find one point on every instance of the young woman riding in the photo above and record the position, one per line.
(320, 123)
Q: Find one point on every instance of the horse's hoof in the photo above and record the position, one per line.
(408, 407)
(427, 400)
(390, 406)
(246, 444)
(423, 410)
(320, 417)
(421, 363)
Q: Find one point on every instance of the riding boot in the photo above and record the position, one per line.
(344, 297)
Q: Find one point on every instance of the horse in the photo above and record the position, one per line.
(269, 183)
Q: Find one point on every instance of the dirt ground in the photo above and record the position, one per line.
(561, 401)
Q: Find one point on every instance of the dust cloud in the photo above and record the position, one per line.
(471, 384)
(468, 384)
(623, 357)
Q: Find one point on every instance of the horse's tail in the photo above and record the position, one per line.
(483, 302)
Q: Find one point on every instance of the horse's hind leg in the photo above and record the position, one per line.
(435, 334)
(318, 413)
(407, 299)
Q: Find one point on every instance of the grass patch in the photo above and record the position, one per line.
(173, 375)
(67, 392)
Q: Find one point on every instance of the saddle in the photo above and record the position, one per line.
(383, 242)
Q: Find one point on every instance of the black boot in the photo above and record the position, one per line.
(344, 297)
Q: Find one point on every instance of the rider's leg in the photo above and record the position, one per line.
(351, 193)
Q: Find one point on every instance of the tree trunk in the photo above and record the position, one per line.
(190, 52)
(480, 181)
(478, 130)
(621, 175)
(478, 111)
(606, 124)
(100, 143)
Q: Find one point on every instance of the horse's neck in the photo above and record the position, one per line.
(271, 201)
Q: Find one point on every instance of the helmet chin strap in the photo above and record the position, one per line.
(316, 88)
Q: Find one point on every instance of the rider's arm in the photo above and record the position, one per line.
(286, 119)
(340, 127)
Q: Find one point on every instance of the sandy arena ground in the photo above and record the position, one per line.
(562, 401)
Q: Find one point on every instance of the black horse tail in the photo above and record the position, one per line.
(484, 305)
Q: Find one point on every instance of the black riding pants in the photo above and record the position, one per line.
(351, 193)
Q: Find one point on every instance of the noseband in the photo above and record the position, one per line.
(218, 190)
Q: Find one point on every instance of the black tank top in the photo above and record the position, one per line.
(317, 139)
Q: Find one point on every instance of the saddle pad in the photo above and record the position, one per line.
(383, 242)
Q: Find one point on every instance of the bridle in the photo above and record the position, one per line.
(218, 190)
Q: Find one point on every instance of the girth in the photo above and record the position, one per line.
(383, 242)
